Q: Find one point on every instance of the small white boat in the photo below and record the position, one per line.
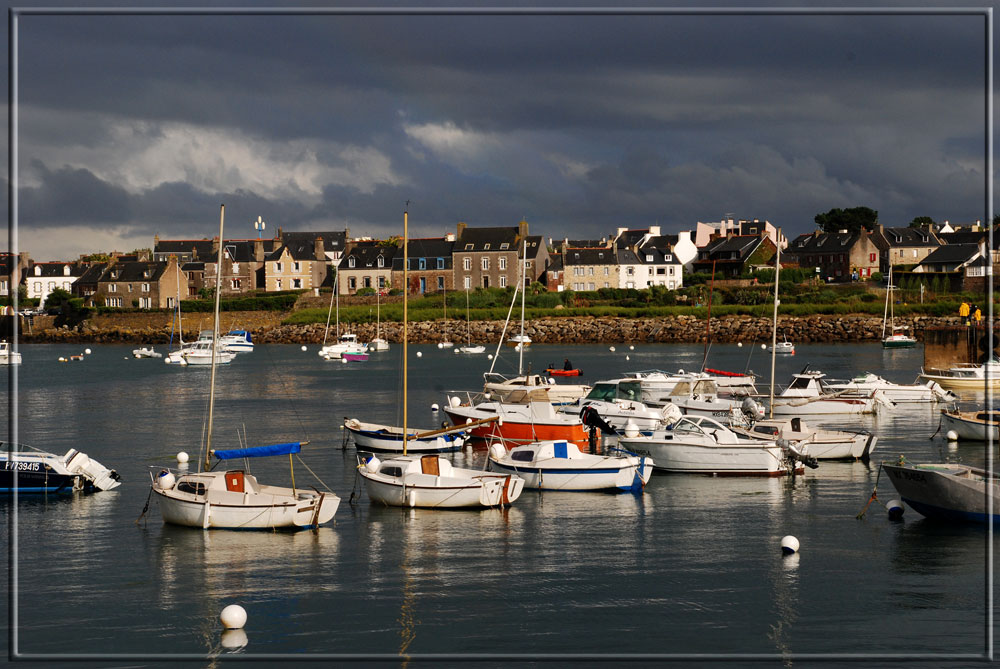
(144, 352)
(519, 341)
(430, 481)
(822, 444)
(472, 350)
(378, 344)
(200, 353)
(972, 425)
(501, 387)
(9, 356)
(35, 471)
(896, 338)
(784, 347)
(946, 491)
(234, 499)
(237, 341)
(807, 394)
(967, 376)
(617, 402)
(703, 445)
(378, 438)
(657, 385)
(469, 348)
(560, 465)
(867, 383)
(348, 343)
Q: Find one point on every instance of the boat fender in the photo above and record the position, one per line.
(455, 401)
(631, 429)
(165, 480)
(372, 464)
(497, 451)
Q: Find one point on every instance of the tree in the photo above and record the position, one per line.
(851, 220)
(922, 221)
(57, 298)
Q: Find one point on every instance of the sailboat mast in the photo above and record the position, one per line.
(774, 326)
(708, 319)
(888, 297)
(336, 278)
(524, 272)
(206, 464)
(406, 289)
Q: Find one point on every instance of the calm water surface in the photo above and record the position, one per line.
(692, 566)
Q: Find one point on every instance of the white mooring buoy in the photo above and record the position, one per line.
(233, 617)
(419, 354)
(763, 347)
(87, 351)
(182, 457)
(789, 545)
(611, 348)
(304, 349)
(895, 508)
(952, 435)
(434, 407)
(739, 344)
(631, 348)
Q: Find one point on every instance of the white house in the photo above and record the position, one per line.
(44, 277)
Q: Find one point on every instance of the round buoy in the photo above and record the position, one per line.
(165, 480)
(233, 617)
(631, 348)
(631, 429)
(611, 348)
(455, 401)
(763, 347)
(233, 639)
(304, 349)
(434, 407)
(87, 351)
(61, 359)
(457, 351)
(789, 545)
(182, 457)
(739, 344)
(440, 345)
(468, 420)
(419, 354)
(489, 356)
(952, 435)
(372, 464)
(343, 360)
(895, 508)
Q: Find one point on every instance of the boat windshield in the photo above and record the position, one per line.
(609, 392)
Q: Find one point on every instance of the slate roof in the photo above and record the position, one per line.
(332, 240)
(661, 242)
(479, 238)
(661, 256)
(741, 245)
(534, 242)
(948, 254)
(134, 271)
(55, 269)
(556, 264)
(8, 261)
(366, 255)
(903, 238)
(200, 248)
(598, 256)
(93, 273)
(432, 247)
(964, 237)
(824, 242)
(193, 267)
(630, 238)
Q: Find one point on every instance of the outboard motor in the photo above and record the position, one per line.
(591, 418)
(751, 410)
(796, 455)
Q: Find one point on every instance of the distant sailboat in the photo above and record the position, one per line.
(378, 344)
(895, 339)
(469, 348)
(445, 343)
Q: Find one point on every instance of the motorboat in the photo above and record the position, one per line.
(501, 387)
(966, 376)
(972, 425)
(700, 397)
(784, 347)
(200, 353)
(9, 356)
(519, 340)
(31, 470)
(525, 417)
(822, 444)
(348, 343)
(899, 339)
(237, 341)
(234, 498)
(657, 385)
(561, 465)
(807, 394)
(378, 344)
(703, 445)
(431, 481)
(947, 491)
(867, 383)
(144, 352)
(617, 402)
(378, 438)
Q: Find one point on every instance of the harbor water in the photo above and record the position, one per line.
(689, 569)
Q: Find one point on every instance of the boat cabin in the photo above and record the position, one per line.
(431, 465)
(546, 450)
(612, 391)
(806, 384)
(701, 389)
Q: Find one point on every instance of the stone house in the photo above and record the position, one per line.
(553, 278)
(12, 271)
(487, 257)
(143, 285)
(591, 269)
(837, 256)
(950, 258)
(367, 264)
(734, 255)
(430, 265)
(903, 246)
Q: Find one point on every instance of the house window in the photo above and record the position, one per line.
(467, 264)
(440, 283)
(661, 271)
(607, 285)
(170, 303)
(236, 284)
(236, 268)
(486, 246)
(590, 286)
(296, 266)
(113, 288)
(296, 283)
(351, 262)
(277, 267)
(467, 283)
(671, 285)
(670, 271)
(503, 280)
(367, 282)
(871, 257)
(468, 247)
(145, 287)
(649, 258)
(440, 263)
(352, 283)
(380, 261)
(277, 284)
(145, 303)
(130, 288)
(503, 262)
(630, 271)
(486, 264)
(422, 263)
(607, 271)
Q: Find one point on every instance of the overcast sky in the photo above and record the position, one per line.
(131, 126)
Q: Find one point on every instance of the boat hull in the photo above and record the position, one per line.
(442, 492)
(969, 428)
(721, 460)
(246, 511)
(858, 448)
(940, 491)
(899, 343)
(389, 439)
(832, 406)
(515, 433)
(963, 383)
(629, 475)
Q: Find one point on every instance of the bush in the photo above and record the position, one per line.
(365, 291)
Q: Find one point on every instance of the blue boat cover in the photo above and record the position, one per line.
(259, 451)
(560, 449)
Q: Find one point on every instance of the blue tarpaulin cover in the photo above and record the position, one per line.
(259, 451)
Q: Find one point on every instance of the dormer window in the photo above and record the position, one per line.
(381, 261)
(668, 257)
(145, 274)
(351, 262)
(469, 247)
(649, 257)
(504, 246)
(486, 246)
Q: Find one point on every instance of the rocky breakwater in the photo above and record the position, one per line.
(266, 327)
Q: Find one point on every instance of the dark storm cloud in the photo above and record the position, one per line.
(578, 123)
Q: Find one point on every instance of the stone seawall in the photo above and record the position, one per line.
(155, 328)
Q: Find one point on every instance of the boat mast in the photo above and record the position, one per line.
(524, 272)
(329, 312)
(888, 299)
(774, 326)
(406, 287)
(206, 464)
(708, 319)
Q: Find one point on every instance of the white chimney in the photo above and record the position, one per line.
(654, 231)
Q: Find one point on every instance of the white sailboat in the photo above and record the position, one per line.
(378, 344)
(895, 339)
(234, 499)
(430, 480)
(469, 348)
(347, 342)
(445, 343)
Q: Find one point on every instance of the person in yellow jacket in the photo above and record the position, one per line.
(963, 311)
(978, 315)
